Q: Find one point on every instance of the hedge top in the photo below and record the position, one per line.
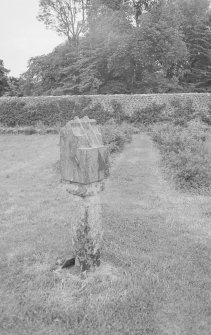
(52, 110)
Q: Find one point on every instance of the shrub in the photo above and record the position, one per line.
(149, 115)
(118, 115)
(115, 136)
(93, 111)
(184, 156)
(29, 131)
(206, 116)
(183, 113)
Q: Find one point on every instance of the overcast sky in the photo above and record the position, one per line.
(21, 35)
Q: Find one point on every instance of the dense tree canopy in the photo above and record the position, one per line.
(3, 78)
(124, 46)
(196, 26)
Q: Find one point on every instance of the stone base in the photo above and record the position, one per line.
(82, 190)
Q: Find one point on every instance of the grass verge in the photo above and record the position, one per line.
(185, 157)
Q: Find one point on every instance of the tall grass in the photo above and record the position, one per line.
(184, 155)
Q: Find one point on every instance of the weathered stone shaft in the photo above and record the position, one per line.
(84, 165)
(87, 231)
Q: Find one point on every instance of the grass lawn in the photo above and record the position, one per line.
(156, 272)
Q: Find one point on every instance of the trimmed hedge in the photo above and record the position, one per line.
(49, 111)
(53, 110)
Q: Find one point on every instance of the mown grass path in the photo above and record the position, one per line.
(163, 237)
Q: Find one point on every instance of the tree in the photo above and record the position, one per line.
(44, 72)
(3, 78)
(193, 9)
(66, 17)
(15, 87)
(197, 36)
(198, 41)
(137, 6)
(112, 4)
(115, 55)
(146, 58)
(141, 6)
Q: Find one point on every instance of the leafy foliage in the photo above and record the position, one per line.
(206, 116)
(119, 114)
(67, 17)
(3, 78)
(122, 47)
(184, 155)
(149, 115)
(115, 136)
(115, 56)
(50, 111)
(12, 113)
(197, 36)
(15, 87)
(182, 114)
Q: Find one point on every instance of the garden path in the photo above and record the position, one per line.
(154, 228)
